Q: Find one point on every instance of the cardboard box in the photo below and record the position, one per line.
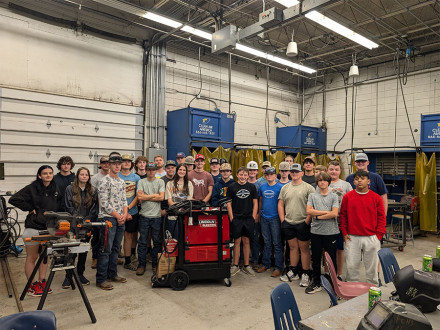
(164, 261)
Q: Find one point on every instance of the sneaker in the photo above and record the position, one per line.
(105, 285)
(248, 270)
(305, 280)
(43, 285)
(35, 290)
(83, 280)
(234, 270)
(314, 287)
(276, 273)
(131, 266)
(133, 258)
(66, 283)
(255, 266)
(118, 279)
(289, 276)
(140, 271)
(94, 263)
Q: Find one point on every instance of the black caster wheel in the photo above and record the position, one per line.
(179, 280)
(227, 282)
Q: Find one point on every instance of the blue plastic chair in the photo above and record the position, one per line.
(328, 287)
(283, 301)
(389, 264)
(29, 320)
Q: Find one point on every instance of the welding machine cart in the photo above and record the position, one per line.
(203, 249)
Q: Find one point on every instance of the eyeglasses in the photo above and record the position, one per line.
(284, 171)
(360, 161)
(295, 171)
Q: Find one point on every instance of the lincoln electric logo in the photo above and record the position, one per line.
(205, 120)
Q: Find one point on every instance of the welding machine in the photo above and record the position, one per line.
(203, 249)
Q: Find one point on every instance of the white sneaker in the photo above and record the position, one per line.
(234, 270)
(289, 276)
(248, 270)
(305, 280)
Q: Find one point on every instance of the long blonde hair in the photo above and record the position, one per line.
(89, 190)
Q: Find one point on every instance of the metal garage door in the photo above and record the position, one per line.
(37, 129)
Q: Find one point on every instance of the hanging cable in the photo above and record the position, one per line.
(346, 110)
(267, 122)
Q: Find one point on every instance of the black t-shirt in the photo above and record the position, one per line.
(242, 198)
(310, 179)
(142, 176)
(62, 182)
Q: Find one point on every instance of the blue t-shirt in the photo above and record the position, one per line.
(376, 183)
(269, 206)
(131, 181)
(281, 183)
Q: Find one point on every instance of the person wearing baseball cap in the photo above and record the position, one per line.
(189, 161)
(202, 181)
(295, 224)
(309, 167)
(221, 187)
(113, 207)
(263, 179)
(180, 158)
(253, 171)
(150, 192)
(270, 222)
(215, 169)
(376, 182)
(104, 166)
(284, 175)
(131, 225)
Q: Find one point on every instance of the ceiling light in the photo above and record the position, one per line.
(292, 47)
(273, 58)
(354, 70)
(288, 3)
(197, 32)
(162, 20)
(342, 30)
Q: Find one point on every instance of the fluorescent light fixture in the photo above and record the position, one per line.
(273, 58)
(288, 3)
(162, 20)
(197, 32)
(342, 30)
(175, 24)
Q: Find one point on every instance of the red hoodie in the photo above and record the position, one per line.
(362, 214)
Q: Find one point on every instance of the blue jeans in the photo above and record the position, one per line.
(108, 253)
(271, 231)
(144, 225)
(255, 243)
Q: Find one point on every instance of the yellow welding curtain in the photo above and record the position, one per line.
(426, 189)
(275, 158)
(322, 159)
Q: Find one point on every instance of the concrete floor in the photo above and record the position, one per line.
(202, 305)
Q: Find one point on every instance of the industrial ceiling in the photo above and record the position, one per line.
(408, 27)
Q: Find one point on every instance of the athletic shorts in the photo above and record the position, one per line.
(340, 242)
(301, 231)
(132, 226)
(29, 232)
(242, 227)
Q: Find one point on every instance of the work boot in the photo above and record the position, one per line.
(262, 269)
(105, 285)
(118, 279)
(276, 273)
(66, 283)
(94, 263)
(140, 271)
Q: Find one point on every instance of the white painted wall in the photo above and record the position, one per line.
(89, 89)
(376, 101)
